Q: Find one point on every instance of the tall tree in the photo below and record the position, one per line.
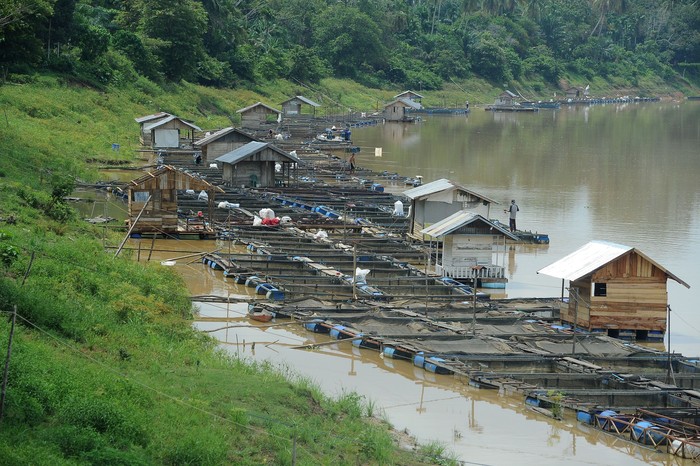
(177, 28)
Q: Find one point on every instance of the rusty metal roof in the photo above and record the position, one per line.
(460, 219)
(437, 186)
(591, 257)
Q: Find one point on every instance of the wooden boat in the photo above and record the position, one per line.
(261, 316)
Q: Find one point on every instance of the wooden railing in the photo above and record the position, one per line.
(485, 271)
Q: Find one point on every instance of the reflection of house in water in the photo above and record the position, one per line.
(259, 115)
(222, 142)
(614, 289)
(470, 247)
(253, 165)
(434, 201)
(153, 201)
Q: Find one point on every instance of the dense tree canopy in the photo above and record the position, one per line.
(379, 42)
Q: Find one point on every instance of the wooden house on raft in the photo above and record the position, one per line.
(153, 202)
(410, 95)
(257, 164)
(434, 201)
(145, 137)
(259, 116)
(221, 142)
(470, 247)
(171, 132)
(399, 110)
(506, 99)
(614, 289)
(293, 108)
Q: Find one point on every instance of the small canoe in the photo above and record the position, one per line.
(261, 316)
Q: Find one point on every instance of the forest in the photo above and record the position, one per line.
(417, 44)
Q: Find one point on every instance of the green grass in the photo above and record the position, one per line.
(106, 367)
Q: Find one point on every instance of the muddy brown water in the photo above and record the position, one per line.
(478, 426)
(622, 173)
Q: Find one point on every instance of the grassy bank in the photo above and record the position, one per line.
(105, 366)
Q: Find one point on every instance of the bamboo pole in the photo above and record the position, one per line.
(131, 228)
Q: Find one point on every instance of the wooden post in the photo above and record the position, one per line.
(131, 228)
(354, 272)
(7, 362)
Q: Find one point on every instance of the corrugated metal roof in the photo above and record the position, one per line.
(153, 116)
(407, 102)
(460, 219)
(303, 99)
(198, 182)
(257, 104)
(168, 120)
(437, 186)
(591, 257)
(222, 132)
(243, 152)
(408, 92)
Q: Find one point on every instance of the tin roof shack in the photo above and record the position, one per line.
(441, 198)
(472, 247)
(506, 99)
(574, 93)
(169, 133)
(397, 110)
(145, 137)
(222, 142)
(253, 165)
(258, 116)
(153, 199)
(410, 95)
(614, 289)
(292, 108)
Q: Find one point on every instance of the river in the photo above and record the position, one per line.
(622, 173)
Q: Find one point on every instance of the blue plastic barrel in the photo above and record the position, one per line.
(419, 359)
(336, 332)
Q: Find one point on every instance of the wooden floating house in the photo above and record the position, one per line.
(254, 165)
(292, 108)
(470, 247)
(153, 197)
(171, 132)
(410, 95)
(434, 201)
(614, 289)
(145, 137)
(222, 142)
(259, 115)
(398, 109)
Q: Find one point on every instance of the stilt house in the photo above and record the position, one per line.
(258, 116)
(255, 165)
(398, 110)
(614, 289)
(153, 199)
(169, 133)
(469, 246)
(222, 142)
(441, 198)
